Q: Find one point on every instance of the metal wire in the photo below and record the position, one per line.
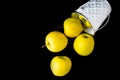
(108, 18)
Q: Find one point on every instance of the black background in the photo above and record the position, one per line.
(36, 19)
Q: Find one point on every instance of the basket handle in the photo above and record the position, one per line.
(108, 18)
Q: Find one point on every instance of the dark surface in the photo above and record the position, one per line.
(37, 19)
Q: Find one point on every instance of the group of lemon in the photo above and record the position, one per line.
(56, 41)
